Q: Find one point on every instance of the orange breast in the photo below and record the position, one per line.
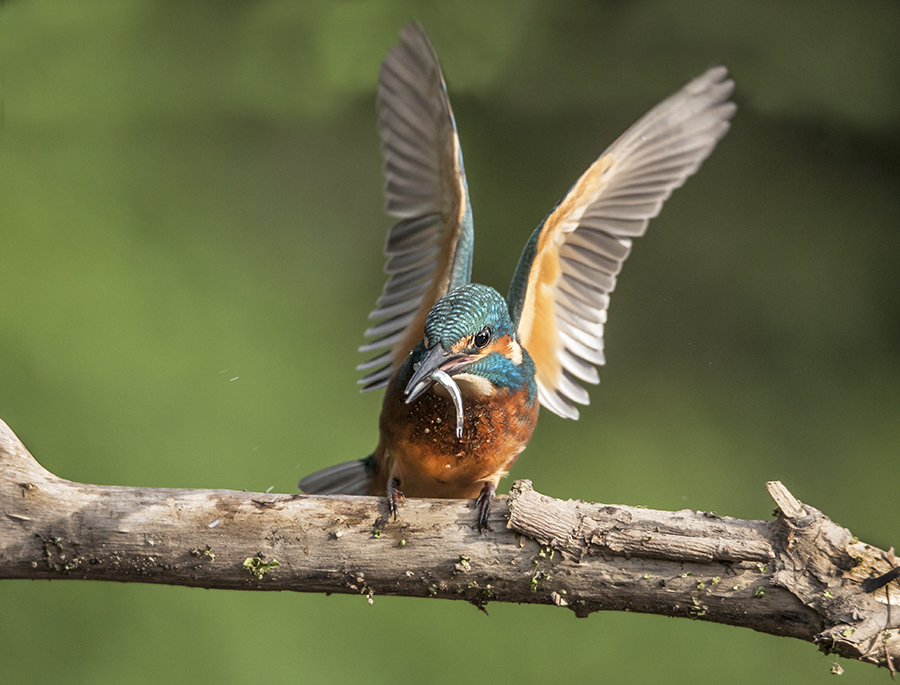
(418, 443)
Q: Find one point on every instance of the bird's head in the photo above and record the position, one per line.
(470, 341)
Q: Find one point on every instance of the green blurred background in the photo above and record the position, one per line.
(190, 242)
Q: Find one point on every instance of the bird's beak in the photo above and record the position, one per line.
(437, 359)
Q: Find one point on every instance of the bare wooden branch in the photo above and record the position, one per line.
(799, 575)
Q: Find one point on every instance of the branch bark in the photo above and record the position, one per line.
(799, 575)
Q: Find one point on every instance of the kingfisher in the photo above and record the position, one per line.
(464, 369)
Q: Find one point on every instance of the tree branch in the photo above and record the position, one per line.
(800, 575)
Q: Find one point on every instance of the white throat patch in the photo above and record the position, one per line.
(478, 385)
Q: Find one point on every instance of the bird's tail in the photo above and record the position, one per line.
(348, 478)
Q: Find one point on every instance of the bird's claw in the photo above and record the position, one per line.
(393, 497)
(483, 507)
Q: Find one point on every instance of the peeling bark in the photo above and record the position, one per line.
(799, 575)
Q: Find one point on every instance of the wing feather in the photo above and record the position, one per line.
(404, 297)
(560, 292)
(578, 367)
(429, 250)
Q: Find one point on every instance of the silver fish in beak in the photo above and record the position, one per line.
(444, 379)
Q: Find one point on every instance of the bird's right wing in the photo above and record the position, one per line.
(430, 249)
(560, 292)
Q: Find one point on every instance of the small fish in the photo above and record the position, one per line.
(444, 379)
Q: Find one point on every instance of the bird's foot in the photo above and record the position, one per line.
(394, 496)
(483, 506)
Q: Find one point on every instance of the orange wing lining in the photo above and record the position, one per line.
(537, 326)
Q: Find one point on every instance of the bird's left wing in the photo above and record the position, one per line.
(430, 249)
(560, 292)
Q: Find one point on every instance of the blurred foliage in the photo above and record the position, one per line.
(190, 236)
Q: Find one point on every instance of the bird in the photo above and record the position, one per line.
(466, 370)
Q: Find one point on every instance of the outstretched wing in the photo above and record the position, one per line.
(430, 249)
(560, 292)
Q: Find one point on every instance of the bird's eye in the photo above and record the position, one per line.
(482, 337)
